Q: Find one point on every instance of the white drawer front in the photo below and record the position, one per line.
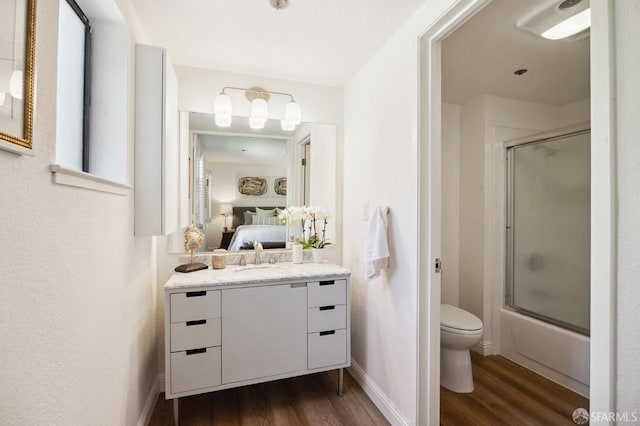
(195, 371)
(195, 334)
(324, 293)
(195, 305)
(327, 349)
(324, 318)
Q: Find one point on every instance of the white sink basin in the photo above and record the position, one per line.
(261, 266)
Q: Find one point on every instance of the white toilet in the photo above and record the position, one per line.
(459, 331)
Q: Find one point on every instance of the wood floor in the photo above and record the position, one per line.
(508, 394)
(505, 394)
(299, 401)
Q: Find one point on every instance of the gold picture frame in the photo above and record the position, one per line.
(26, 56)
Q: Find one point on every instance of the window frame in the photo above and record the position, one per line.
(86, 109)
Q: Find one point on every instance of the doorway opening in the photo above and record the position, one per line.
(492, 126)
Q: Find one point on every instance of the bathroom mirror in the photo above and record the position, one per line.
(17, 40)
(241, 178)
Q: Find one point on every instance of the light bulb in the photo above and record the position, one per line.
(2, 97)
(16, 84)
(259, 110)
(287, 125)
(222, 105)
(256, 123)
(223, 120)
(293, 113)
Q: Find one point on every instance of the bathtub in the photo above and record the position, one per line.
(553, 352)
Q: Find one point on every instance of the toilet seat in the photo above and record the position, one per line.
(458, 321)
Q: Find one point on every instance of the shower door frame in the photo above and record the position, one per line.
(538, 138)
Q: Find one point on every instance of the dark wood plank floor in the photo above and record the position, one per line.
(508, 394)
(299, 401)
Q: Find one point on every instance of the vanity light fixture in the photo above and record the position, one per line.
(222, 110)
(259, 115)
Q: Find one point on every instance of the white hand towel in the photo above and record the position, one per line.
(376, 246)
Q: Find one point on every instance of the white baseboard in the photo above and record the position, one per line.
(147, 410)
(485, 347)
(377, 396)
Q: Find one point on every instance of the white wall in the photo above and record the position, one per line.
(627, 166)
(472, 129)
(381, 157)
(450, 203)
(77, 305)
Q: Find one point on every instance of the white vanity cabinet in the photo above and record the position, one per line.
(224, 329)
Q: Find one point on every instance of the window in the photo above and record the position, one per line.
(92, 88)
(74, 87)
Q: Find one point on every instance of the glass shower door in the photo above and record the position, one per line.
(548, 230)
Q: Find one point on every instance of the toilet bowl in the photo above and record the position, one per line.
(459, 331)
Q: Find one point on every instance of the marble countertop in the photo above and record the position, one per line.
(234, 275)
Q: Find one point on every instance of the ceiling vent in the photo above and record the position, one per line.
(551, 13)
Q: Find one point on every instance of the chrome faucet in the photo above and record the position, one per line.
(257, 248)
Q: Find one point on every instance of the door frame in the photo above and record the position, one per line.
(602, 348)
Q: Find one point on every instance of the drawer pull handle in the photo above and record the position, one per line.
(196, 351)
(198, 322)
(330, 282)
(196, 293)
(327, 308)
(326, 333)
(298, 285)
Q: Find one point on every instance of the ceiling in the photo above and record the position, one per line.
(244, 149)
(238, 144)
(322, 42)
(482, 55)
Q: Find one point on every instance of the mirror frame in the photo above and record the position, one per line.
(25, 140)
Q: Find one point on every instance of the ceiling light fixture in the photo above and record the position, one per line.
(569, 26)
(567, 20)
(279, 4)
(259, 115)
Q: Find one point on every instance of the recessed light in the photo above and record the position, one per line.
(520, 71)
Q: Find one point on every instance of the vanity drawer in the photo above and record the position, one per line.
(195, 334)
(325, 293)
(327, 348)
(323, 318)
(195, 305)
(195, 369)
